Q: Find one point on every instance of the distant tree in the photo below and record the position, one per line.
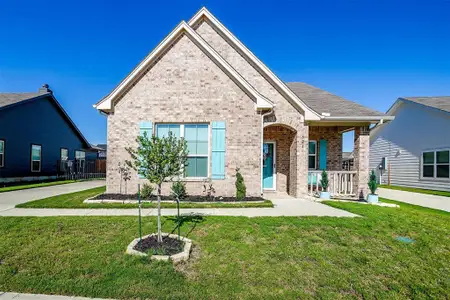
(158, 160)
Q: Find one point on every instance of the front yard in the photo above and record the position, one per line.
(415, 190)
(235, 257)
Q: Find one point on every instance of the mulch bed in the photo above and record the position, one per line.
(123, 197)
(169, 246)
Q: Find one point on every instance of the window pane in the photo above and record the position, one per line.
(312, 147)
(35, 152)
(190, 168)
(35, 165)
(1, 159)
(428, 157)
(162, 130)
(80, 154)
(64, 154)
(311, 162)
(1, 146)
(192, 147)
(190, 132)
(202, 132)
(442, 157)
(428, 171)
(202, 167)
(175, 129)
(202, 148)
(442, 171)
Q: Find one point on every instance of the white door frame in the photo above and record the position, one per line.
(274, 170)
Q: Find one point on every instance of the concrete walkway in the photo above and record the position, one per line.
(10, 199)
(431, 201)
(283, 207)
(8, 296)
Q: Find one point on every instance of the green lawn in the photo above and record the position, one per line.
(236, 257)
(415, 190)
(33, 185)
(75, 200)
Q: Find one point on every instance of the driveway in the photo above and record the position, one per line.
(431, 201)
(10, 199)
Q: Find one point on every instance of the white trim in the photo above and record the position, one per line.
(106, 104)
(315, 155)
(434, 164)
(274, 169)
(310, 115)
(33, 160)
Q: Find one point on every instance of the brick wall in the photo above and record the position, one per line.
(186, 86)
(361, 160)
(334, 145)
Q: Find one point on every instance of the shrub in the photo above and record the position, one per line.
(324, 181)
(147, 191)
(240, 186)
(179, 190)
(372, 182)
(208, 189)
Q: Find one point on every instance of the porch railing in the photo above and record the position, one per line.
(340, 183)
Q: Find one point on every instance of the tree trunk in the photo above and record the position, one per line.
(159, 214)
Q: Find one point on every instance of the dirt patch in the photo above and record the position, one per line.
(169, 246)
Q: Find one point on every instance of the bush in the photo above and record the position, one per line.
(373, 182)
(240, 186)
(179, 190)
(147, 191)
(324, 181)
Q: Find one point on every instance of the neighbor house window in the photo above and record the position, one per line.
(436, 164)
(64, 154)
(312, 154)
(80, 159)
(2, 153)
(36, 158)
(196, 136)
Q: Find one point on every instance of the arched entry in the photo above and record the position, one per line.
(279, 158)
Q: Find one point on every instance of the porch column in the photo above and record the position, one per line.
(302, 139)
(361, 161)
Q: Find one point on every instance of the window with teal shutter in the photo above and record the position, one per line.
(218, 150)
(323, 155)
(145, 127)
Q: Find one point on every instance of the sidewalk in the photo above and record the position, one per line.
(431, 201)
(10, 199)
(7, 296)
(283, 207)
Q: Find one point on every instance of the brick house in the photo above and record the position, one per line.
(203, 84)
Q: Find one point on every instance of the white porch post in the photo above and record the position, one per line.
(361, 161)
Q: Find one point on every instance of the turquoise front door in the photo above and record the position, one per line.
(268, 163)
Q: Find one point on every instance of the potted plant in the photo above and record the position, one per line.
(324, 194)
(372, 197)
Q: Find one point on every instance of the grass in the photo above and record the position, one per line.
(415, 190)
(236, 257)
(75, 200)
(33, 185)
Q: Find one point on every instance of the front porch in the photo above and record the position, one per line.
(293, 166)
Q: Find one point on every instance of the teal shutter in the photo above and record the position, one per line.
(218, 150)
(323, 155)
(145, 127)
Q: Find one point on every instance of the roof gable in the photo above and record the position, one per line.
(107, 103)
(9, 100)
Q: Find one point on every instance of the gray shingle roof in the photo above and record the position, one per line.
(439, 102)
(324, 102)
(13, 98)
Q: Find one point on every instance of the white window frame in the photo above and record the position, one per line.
(2, 161)
(315, 155)
(208, 155)
(61, 156)
(33, 160)
(77, 160)
(435, 164)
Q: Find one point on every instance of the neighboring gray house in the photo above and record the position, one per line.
(413, 150)
(203, 84)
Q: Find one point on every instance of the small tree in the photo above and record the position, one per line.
(125, 175)
(324, 181)
(372, 182)
(179, 192)
(158, 160)
(208, 189)
(240, 186)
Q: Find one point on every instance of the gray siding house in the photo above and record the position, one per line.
(413, 150)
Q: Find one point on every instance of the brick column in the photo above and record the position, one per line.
(361, 161)
(302, 138)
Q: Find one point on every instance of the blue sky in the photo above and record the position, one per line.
(370, 52)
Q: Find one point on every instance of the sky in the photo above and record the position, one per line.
(370, 52)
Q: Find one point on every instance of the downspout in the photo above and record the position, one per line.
(262, 144)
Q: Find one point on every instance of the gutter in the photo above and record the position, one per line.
(359, 118)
